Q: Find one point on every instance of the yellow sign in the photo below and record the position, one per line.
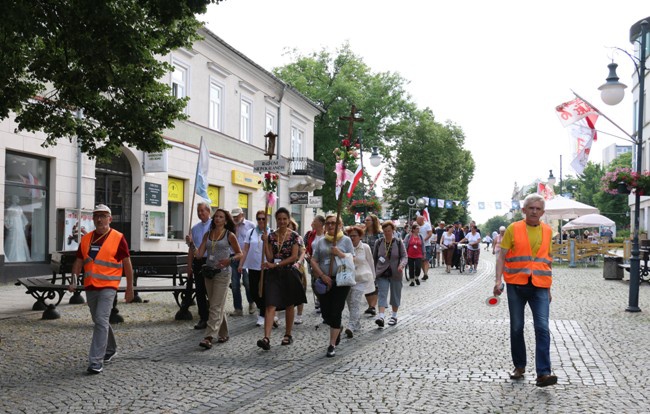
(242, 200)
(245, 179)
(175, 190)
(213, 193)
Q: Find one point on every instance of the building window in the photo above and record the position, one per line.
(26, 204)
(175, 212)
(245, 120)
(216, 107)
(270, 123)
(297, 137)
(180, 81)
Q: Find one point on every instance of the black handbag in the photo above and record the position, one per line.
(388, 273)
(209, 272)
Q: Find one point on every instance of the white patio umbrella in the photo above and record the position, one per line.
(588, 220)
(565, 208)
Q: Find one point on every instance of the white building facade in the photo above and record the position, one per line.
(233, 104)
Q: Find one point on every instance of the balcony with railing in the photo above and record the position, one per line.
(305, 174)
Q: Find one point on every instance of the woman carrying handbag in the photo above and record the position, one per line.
(325, 266)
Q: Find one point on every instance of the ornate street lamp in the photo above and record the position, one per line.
(612, 93)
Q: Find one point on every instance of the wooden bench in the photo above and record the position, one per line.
(45, 288)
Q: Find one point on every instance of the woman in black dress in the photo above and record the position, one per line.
(282, 285)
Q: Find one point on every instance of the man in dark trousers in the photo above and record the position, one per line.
(525, 263)
(103, 255)
(194, 264)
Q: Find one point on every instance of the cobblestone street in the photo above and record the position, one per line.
(449, 352)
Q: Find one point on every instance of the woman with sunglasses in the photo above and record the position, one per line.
(282, 286)
(415, 251)
(217, 242)
(253, 256)
(325, 266)
(372, 233)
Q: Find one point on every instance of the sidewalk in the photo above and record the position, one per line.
(448, 353)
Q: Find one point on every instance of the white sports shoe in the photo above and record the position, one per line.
(260, 321)
(298, 320)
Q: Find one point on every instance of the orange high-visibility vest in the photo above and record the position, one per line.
(520, 265)
(104, 271)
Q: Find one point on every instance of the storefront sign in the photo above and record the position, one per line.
(299, 197)
(315, 202)
(275, 166)
(213, 193)
(245, 179)
(175, 190)
(152, 194)
(71, 226)
(155, 162)
(154, 224)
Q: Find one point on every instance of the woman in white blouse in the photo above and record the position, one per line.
(364, 276)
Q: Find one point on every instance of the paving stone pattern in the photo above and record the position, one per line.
(448, 353)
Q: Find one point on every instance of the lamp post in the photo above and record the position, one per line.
(375, 160)
(612, 93)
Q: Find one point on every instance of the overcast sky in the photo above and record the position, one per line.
(496, 69)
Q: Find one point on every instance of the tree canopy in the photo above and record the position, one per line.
(430, 161)
(98, 57)
(410, 140)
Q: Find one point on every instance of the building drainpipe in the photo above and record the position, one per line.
(79, 172)
(279, 143)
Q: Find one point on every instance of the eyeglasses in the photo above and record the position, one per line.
(330, 223)
(414, 228)
(260, 218)
(100, 216)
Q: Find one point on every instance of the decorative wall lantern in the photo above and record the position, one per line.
(270, 144)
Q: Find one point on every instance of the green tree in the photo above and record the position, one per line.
(430, 161)
(336, 81)
(100, 57)
(493, 224)
(588, 184)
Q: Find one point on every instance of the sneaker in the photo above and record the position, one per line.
(371, 311)
(298, 320)
(417, 282)
(331, 351)
(237, 312)
(380, 322)
(95, 369)
(260, 321)
(108, 357)
(251, 308)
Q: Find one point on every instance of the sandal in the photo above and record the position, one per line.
(264, 343)
(206, 342)
(222, 339)
(287, 340)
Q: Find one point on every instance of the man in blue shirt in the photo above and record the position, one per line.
(194, 263)
(243, 228)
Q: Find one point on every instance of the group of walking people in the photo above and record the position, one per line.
(278, 277)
